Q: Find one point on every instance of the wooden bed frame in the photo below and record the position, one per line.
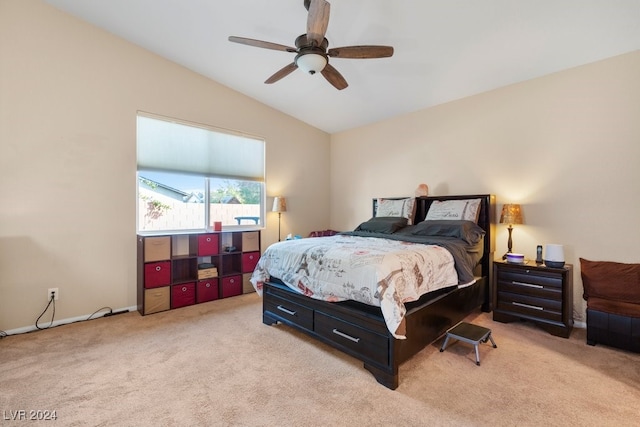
(360, 331)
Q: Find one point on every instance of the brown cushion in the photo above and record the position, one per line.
(614, 307)
(609, 280)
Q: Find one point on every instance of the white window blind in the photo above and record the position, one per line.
(167, 145)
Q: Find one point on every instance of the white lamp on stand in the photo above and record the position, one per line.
(279, 205)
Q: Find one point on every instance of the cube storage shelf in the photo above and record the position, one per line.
(168, 268)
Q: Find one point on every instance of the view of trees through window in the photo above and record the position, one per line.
(192, 176)
(173, 201)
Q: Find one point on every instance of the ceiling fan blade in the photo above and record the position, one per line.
(283, 72)
(318, 21)
(334, 77)
(361, 52)
(260, 43)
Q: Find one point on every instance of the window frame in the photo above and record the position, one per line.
(207, 226)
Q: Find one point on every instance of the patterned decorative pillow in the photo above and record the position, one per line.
(468, 209)
(405, 208)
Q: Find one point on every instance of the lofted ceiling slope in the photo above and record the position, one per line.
(444, 50)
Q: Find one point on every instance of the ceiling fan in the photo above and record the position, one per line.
(311, 51)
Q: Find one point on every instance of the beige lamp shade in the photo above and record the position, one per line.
(511, 214)
(279, 204)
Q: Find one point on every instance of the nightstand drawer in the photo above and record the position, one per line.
(530, 277)
(355, 339)
(517, 286)
(539, 308)
(290, 311)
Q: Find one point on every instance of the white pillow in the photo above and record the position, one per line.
(468, 209)
(405, 208)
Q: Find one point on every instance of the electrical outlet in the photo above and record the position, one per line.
(55, 292)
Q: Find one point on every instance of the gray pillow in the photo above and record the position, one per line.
(383, 224)
(468, 231)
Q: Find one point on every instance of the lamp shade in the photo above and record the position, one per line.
(279, 204)
(311, 63)
(511, 214)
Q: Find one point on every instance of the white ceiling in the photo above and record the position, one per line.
(444, 49)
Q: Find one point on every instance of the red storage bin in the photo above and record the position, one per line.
(249, 261)
(182, 295)
(207, 290)
(157, 274)
(208, 244)
(231, 286)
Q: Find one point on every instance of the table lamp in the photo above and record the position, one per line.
(511, 214)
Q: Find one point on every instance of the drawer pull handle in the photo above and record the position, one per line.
(535, 307)
(158, 268)
(289, 312)
(343, 335)
(529, 285)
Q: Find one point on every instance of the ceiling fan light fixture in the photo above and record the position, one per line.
(311, 63)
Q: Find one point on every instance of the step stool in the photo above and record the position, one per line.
(472, 334)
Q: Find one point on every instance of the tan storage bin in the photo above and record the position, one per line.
(250, 241)
(247, 287)
(157, 248)
(157, 299)
(207, 273)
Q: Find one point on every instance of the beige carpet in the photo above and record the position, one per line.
(217, 364)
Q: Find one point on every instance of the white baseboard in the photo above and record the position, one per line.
(48, 324)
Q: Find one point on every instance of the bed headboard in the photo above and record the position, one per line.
(486, 220)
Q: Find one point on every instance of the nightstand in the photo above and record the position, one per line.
(536, 293)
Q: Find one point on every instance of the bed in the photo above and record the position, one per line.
(395, 295)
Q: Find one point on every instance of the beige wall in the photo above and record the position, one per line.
(69, 93)
(565, 146)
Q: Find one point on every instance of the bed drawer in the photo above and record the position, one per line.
(289, 311)
(354, 339)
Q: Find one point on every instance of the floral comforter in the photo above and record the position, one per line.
(375, 271)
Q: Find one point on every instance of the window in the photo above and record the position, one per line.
(190, 176)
